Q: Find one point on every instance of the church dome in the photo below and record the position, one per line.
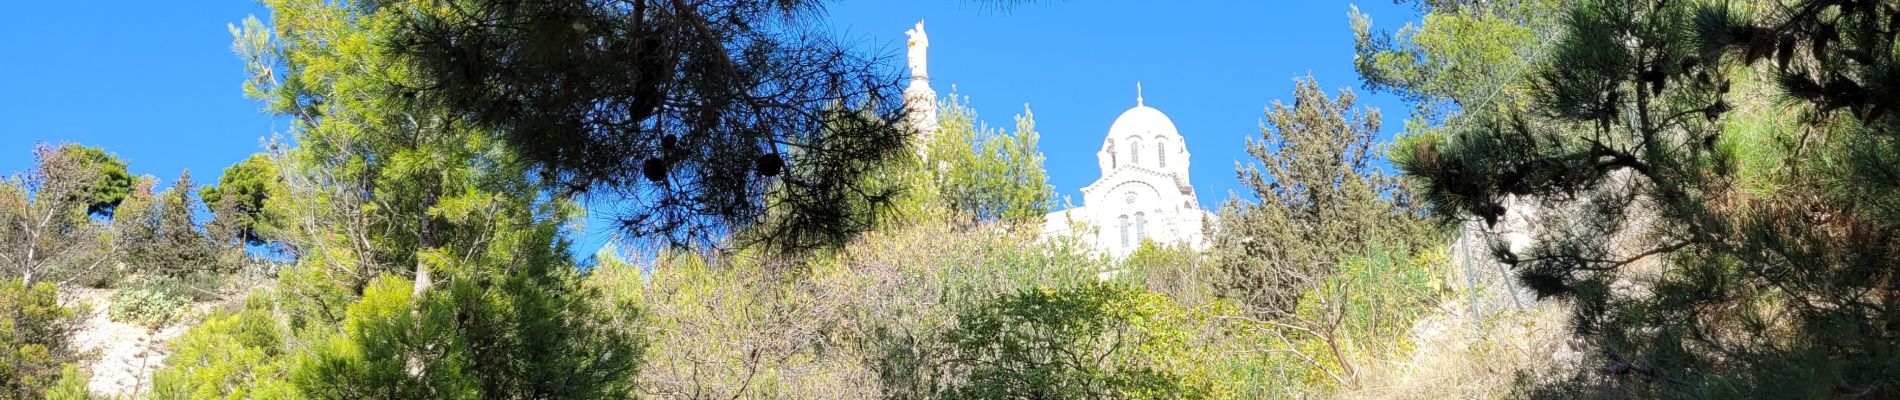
(1143, 137)
(1142, 121)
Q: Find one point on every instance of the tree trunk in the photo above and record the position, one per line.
(425, 239)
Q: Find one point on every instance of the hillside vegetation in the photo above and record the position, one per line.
(1687, 199)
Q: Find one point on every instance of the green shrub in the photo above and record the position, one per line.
(383, 333)
(984, 173)
(34, 345)
(238, 355)
(71, 384)
(1093, 341)
(109, 274)
(532, 335)
(1173, 270)
(155, 300)
(1360, 314)
(196, 286)
(145, 306)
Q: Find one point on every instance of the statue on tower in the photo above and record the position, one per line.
(920, 102)
(918, 44)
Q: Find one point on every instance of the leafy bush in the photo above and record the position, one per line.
(524, 336)
(145, 306)
(34, 347)
(155, 300)
(1359, 315)
(194, 286)
(231, 356)
(1379, 294)
(1094, 341)
(1173, 270)
(109, 274)
(383, 334)
(748, 323)
(71, 384)
(985, 173)
(883, 310)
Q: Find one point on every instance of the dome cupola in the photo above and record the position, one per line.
(1144, 137)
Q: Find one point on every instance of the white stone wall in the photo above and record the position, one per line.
(1143, 192)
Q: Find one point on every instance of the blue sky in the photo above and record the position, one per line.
(1211, 66)
(153, 81)
(156, 82)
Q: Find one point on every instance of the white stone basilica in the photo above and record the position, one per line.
(1143, 194)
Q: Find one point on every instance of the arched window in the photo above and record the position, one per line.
(1161, 153)
(1134, 152)
(1124, 224)
(1141, 225)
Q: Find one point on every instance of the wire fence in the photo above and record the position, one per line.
(1489, 286)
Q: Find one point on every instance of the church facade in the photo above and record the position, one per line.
(1144, 193)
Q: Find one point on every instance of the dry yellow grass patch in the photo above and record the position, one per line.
(1453, 359)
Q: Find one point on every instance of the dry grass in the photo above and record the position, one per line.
(1455, 360)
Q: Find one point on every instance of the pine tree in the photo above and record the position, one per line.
(237, 201)
(429, 263)
(679, 109)
(110, 181)
(1713, 241)
(178, 247)
(1320, 201)
(1464, 55)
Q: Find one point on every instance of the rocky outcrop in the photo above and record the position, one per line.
(122, 356)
